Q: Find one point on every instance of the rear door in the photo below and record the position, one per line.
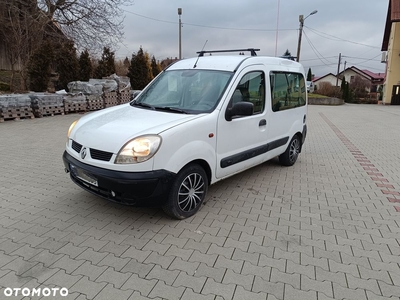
(241, 142)
(288, 106)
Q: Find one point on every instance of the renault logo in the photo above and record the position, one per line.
(83, 153)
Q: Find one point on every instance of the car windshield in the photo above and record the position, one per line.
(184, 91)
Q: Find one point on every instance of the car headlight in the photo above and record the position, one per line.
(139, 149)
(70, 129)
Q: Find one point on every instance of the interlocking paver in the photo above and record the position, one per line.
(87, 287)
(63, 279)
(215, 273)
(117, 279)
(322, 229)
(185, 280)
(138, 268)
(40, 272)
(275, 289)
(114, 261)
(166, 291)
(67, 264)
(110, 292)
(224, 290)
(89, 270)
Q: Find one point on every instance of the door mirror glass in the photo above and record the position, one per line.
(240, 109)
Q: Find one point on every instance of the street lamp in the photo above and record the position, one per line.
(301, 20)
(180, 32)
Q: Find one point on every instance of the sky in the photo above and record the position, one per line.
(353, 28)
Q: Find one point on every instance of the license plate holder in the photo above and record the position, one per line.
(83, 175)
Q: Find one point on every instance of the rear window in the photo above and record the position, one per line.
(288, 90)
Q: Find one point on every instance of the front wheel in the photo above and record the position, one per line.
(187, 192)
(289, 157)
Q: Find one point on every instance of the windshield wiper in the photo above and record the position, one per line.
(169, 108)
(134, 103)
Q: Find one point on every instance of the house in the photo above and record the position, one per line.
(391, 44)
(329, 78)
(349, 74)
(375, 79)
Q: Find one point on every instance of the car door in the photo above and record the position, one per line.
(288, 107)
(241, 142)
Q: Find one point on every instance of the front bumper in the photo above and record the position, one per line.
(131, 188)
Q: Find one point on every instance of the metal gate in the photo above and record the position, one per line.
(395, 95)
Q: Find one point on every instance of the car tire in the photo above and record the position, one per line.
(289, 157)
(187, 192)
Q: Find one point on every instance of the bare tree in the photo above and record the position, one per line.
(24, 24)
(360, 87)
(21, 34)
(91, 24)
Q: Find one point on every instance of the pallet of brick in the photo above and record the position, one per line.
(84, 87)
(124, 96)
(110, 99)
(15, 107)
(44, 104)
(75, 103)
(94, 102)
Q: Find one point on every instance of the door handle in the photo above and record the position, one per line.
(262, 122)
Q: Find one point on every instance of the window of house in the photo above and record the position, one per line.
(251, 88)
(288, 90)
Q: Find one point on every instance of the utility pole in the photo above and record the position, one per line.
(338, 69)
(180, 32)
(277, 30)
(301, 20)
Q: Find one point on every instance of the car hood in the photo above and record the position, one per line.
(109, 129)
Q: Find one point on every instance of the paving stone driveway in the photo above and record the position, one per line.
(326, 228)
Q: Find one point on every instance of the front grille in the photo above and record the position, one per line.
(76, 146)
(100, 155)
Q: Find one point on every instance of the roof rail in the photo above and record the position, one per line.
(252, 51)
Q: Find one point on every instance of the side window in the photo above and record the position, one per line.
(288, 90)
(251, 88)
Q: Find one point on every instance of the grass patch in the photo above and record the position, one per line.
(316, 96)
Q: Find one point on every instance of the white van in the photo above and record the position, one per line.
(199, 121)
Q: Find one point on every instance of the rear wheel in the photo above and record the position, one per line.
(289, 157)
(187, 192)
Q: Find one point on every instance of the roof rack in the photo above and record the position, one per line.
(252, 51)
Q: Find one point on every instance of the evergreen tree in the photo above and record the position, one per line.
(309, 75)
(139, 71)
(106, 65)
(346, 91)
(66, 64)
(39, 68)
(127, 63)
(85, 66)
(155, 67)
(287, 53)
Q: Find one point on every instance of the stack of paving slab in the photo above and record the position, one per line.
(116, 90)
(75, 103)
(109, 87)
(44, 104)
(91, 90)
(15, 107)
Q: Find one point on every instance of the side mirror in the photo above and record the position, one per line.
(239, 109)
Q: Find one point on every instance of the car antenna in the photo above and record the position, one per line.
(195, 64)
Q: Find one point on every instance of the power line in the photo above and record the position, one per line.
(310, 59)
(317, 53)
(207, 26)
(365, 60)
(335, 38)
